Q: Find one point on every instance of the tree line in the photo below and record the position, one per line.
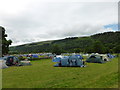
(107, 42)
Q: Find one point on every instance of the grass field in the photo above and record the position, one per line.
(42, 74)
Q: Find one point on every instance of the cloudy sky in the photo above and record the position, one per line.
(28, 21)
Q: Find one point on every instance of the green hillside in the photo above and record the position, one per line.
(108, 42)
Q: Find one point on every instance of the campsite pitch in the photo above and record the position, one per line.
(42, 74)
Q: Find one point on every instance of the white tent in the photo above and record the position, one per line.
(2, 64)
(105, 58)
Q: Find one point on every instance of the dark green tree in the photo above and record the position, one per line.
(88, 49)
(117, 49)
(106, 50)
(77, 50)
(5, 42)
(98, 47)
(56, 50)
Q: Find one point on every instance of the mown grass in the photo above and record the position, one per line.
(42, 74)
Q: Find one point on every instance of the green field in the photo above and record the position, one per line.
(42, 74)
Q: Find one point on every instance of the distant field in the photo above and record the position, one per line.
(42, 74)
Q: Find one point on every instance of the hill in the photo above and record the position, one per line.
(109, 41)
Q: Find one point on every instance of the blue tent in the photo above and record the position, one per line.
(56, 59)
(69, 61)
(35, 56)
(79, 56)
(110, 56)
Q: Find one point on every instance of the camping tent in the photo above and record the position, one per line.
(3, 64)
(97, 59)
(110, 56)
(24, 63)
(58, 58)
(12, 60)
(69, 61)
(105, 58)
(79, 56)
(35, 56)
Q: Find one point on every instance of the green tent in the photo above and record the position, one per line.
(96, 59)
(12, 60)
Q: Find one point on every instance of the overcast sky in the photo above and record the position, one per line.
(28, 21)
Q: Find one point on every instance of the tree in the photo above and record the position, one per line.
(98, 47)
(56, 50)
(77, 50)
(88, 49)
(107, 50)
(5, 42)
(117, 49)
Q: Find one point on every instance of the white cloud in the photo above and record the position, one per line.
(38, 20)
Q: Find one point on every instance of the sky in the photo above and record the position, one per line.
(27, 21)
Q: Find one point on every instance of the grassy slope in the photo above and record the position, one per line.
(42, 74)
(108, 39)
